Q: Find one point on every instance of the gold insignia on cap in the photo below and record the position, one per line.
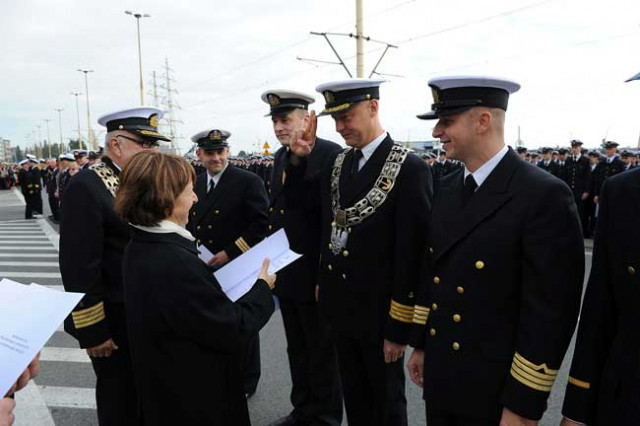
(329, 96)
(436, 95)
(274, 100)
(153, 120)
(215, 135)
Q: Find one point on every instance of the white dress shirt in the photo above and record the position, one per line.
(485, 170)
(368, 150)
(215, 178)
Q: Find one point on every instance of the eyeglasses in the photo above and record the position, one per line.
(143, 143)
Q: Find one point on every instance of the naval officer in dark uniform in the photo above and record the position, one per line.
(604, 380)
(504, 272)
(375, 200)
(229, 218)
(92, 242)
(610, 166)
(578, 177)
(315, 395)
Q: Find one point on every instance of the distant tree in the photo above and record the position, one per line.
(19, 154)
(242, 153)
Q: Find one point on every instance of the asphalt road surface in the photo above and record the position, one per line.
(63, 393)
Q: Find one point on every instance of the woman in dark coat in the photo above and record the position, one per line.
(184, 332)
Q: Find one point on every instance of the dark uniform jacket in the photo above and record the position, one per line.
(501, 294)
(233, 217)
(606, 170)
(29, 182)
(91, 244)
(368, 290)
(604, 382)
(553, 167)
(578, 175)
(185, 332)
(298, 280)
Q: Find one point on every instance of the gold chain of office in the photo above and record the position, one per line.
(107, 176)
(376, 196)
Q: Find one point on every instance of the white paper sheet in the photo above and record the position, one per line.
(29, 315)
(237, 277)
(204, 254)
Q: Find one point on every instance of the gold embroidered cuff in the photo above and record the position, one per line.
(90, 316)
(400, 312)
(579, 383)
(538, 377)
(421, 315)
(242, 245)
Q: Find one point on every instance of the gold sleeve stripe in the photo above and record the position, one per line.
(530, 377)
(529, 383)
(535, 367)
(242, 245)
(99, 307)
(99, 316)
(406, 319)
(541, 376)
(421, 315)
(401, 307)
(579, 383)
(401, 313)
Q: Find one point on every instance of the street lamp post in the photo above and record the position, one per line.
(46, 120)
(78, 114)
(60, 126)
(86, 86)
(138, 16)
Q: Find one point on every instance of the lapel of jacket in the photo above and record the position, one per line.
(279, 165)
(362, 182)
(207, 201)
(458, 220)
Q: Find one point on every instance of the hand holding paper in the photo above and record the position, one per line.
(237, 277)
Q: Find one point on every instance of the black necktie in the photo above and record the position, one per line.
(470, 186)
(212, 185)
(357, 155)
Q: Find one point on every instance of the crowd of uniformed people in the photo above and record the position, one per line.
(472, 255)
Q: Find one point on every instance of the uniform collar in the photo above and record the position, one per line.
(215, 178)
(371, 147)
(485, 170)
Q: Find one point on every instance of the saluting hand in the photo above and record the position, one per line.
(303, 141)
(264, 274)
(103, 350)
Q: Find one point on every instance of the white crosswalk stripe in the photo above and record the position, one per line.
(24, 248)
(68, 397)
(64, 354)
(30, 255)
(34, 264)
(32, 242)
(13, 274)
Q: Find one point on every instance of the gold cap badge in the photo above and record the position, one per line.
(274, 100)
(153, 120)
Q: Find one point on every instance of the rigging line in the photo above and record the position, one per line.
(475, 22)
(278, 51)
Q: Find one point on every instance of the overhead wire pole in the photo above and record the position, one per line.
(60, 126)
(138, 16)
(90, 139)
(359, 41)
(78, 114)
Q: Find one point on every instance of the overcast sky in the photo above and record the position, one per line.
(571, 57)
